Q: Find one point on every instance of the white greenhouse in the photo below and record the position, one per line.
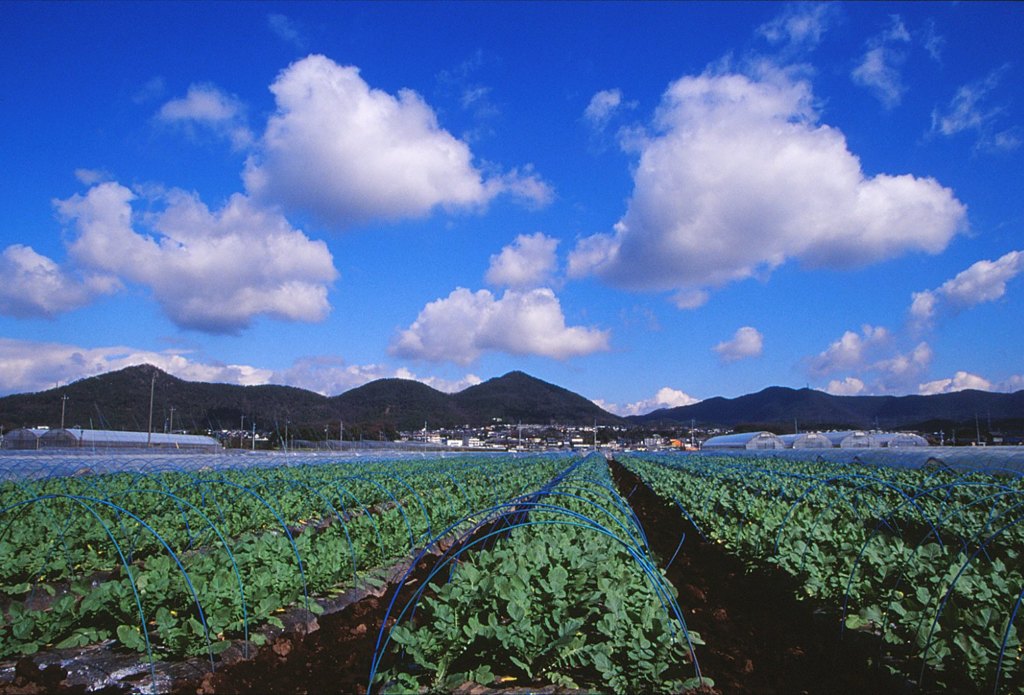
(116, 439)
(745, 440)
(807, 440)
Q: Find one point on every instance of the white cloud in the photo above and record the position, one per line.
(932, 41)
(746, 342)
(328, 375)
(876, 364)
(984, 281)
(879, 69)
(287, 30)
(899, 373)
(922, 307)
(208, 106)
(91, 177)
(800, 25)
(666, 397)
(27, 366)
(850, 386)
(213, 271)
(446, 385)
(331, 376)
(969, 111)
(461, 326)
(527, 262)
(851, 351)
(348, 152)
(1012, 384)
(740, 178)
(959, 382)
(34, 285)
(601, 107)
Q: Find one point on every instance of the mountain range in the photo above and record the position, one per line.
(785, 409)
(120, 400)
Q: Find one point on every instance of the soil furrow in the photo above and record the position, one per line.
(759, 639)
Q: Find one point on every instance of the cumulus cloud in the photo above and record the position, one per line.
(601, 107)
(1013, 383)
(348, 152)
(331, 375)
(91, 177)
(286, 29)
(527, 262)
(27, 366)
(36, 286)
(873, 363)
(461, 326)
(960, 381)
(439, 383)
(899, 372)
(850, 386)
(666, 397)
(208, 106)
(851, 351)
(800, 26)
(984, 281)
(739, 178)
(970, 110)
(879, 69)
(746, 342)
(213, 271)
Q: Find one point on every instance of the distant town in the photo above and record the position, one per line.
(499, 436)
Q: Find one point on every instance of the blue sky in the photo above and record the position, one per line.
(647, 203)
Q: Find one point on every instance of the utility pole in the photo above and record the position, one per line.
(63, 400)
(149, 432)
(241, 434)
(170, 426)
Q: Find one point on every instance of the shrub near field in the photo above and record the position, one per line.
(928, 560)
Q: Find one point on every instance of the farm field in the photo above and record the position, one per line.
(563, 573)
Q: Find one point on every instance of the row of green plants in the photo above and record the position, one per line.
(927, 560)
(557, 587)
(183, 563)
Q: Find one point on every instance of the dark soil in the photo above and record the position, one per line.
(759, 638)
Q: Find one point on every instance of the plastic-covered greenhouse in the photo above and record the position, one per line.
(807, 440)
(106, 439)
(745, 440)
(904, 439)
(27, 438)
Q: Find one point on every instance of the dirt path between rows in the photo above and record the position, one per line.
(759, 639)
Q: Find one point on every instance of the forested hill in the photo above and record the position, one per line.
(120, 400)
(785, 409)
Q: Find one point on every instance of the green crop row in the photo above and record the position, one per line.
(928, 560)
(570, 596)
(176, 564)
